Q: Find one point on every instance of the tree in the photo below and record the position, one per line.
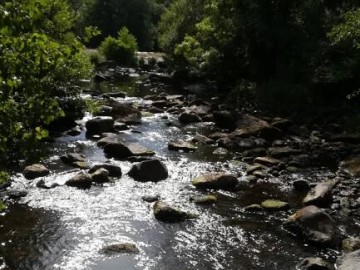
(40, 60)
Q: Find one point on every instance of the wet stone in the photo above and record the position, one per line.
(301, 185)
(349, 261)
(80, 180)
(70, 158)
(114, 170)
(351, 244)
(320, 195)
(220, 151)
(167, 213)
(274, 205)
(123, 151)
(149, 171)
(268, 161)
(16, 194)
(314, 263)
(181, 146)
(150, 198)
(123, 248)
(35, 171)
(253, 208)
(99, 125)
(100, 176)
(81, 165)
(216, 181)
(204, 199)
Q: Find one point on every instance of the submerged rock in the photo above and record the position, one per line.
(315, 225)
(114, 170)
(314, 263)
(150, 170)
(204, 199)
(80, 180)
(216, 181)
(320, 195)
(350, 261)
(150, 198)
(123, 248)
(35, 171)
(99, 125)
(166, 213)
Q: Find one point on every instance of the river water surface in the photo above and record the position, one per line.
(65, 227)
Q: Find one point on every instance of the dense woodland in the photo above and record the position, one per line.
(285, 54)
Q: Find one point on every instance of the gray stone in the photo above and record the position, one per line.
(80, 180)
(166, 213)
(72, 157)
(313, 263)
(316, 225)
(320, 195)
(100, 176)
(215, 181)
(114, 170)
(99, 125)
(149, 171)
(350, 261)
(35, 171)
(123, 151)
(181, 145)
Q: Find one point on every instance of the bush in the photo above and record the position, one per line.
(121, 49)
(4, 177)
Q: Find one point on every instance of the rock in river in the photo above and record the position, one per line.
(274, 205)
(114, 170)
(215, 181)
(320, 195)
(314, 263)
(35, 171)
(123, 248)
(181, 145)
(166, 213)
(123, 151)
(101, 175)
(99, 125)
(80, 180)
(150, 170)
(315, 225)
(71, 158)
(350, 261)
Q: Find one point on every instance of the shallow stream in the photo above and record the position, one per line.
(65, 227)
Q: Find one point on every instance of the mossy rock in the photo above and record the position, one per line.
(275, 205)
(253, 208)
(351, 244)
(204, 199)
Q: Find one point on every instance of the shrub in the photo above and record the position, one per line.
(121, 49)
(4, 177)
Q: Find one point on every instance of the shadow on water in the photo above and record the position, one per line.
(31, 238)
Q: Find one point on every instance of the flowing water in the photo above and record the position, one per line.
(65, 227)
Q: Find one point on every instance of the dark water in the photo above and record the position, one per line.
(64, 228)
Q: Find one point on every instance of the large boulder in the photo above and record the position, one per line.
(315, 225)
(123, 151)
(216, 181)
(167, 213)
(114, 170)
(225, 119)
(320, 195)
(151, 170)
(81, 180)
(35, 171)
(248, 125)
(350, 261)
(99, 125)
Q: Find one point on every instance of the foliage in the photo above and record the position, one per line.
(40, 59)
(2, 206)
(93, 106)
(111, 15)
(4, 177)
(310, 47)
(121, 49)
